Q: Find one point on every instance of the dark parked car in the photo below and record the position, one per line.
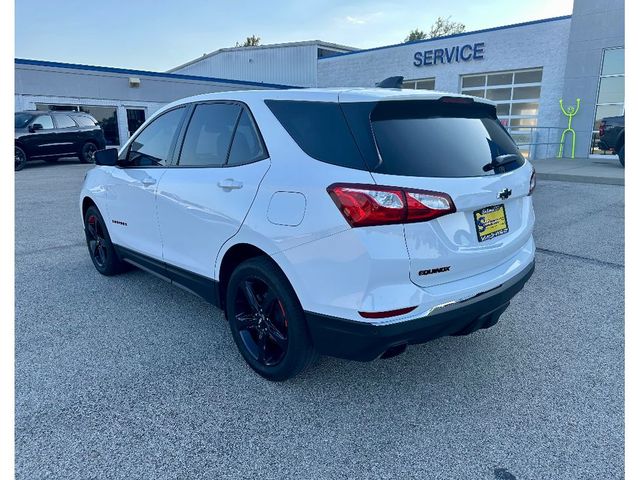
(612, 135)
(42, 135)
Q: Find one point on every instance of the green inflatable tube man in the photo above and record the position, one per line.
(569, 112)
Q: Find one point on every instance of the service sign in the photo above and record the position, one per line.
(456, 54)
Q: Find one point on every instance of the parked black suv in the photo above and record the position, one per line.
(42, 135)
(611, 134)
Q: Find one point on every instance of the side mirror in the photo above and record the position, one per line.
(34, 127)
(107, 157)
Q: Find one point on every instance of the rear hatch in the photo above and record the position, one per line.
(458, 147)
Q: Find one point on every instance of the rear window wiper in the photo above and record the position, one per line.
(501, 161)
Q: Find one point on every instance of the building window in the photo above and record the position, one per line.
(516, 93)
(135, 118)
(610, 100)
(420, 84)
(107, 118)
(325, 52)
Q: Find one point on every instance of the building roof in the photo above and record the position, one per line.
(319, 43)
(126, 71)
(417, 42)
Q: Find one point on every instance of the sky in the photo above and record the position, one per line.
(158, 35)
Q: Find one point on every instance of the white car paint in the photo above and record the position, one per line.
(197, 214)
(189, 221)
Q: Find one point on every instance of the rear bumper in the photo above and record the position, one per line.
(363, 341)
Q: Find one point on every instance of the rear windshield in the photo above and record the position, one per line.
(420, 138)
(432, 139)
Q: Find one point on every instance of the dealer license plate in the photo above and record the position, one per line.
(491, 222)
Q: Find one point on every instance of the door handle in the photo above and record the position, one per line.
(229, 184)
(148, 181)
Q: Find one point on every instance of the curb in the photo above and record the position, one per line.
(563, 177)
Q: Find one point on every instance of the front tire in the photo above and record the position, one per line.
(101, 250)
(621, 155)
(88, 153)
(21, 159)
(267, 321)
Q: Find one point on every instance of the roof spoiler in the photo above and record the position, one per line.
(391, 82)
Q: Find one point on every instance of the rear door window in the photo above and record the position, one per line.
(209, 134)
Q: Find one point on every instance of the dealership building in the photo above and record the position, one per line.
(525, 68)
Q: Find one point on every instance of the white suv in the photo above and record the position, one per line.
(347, 222)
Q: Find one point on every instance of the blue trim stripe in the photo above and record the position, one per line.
(174, 76)
(416, 42)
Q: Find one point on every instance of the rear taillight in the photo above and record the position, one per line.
(601, 129)
(367, 205)
(532, 182)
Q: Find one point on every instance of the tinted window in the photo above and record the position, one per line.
(153, 146)
(208, 136)
(247, 146)
(320, 130)
(22, 119)
(45, 121)
(65, 121)
(85, 121)
(432, 139)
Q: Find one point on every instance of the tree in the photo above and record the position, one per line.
(444, 26)
(252, 41)
(415, 35)
(441, 27)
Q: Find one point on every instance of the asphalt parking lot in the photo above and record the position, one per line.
(130, 377)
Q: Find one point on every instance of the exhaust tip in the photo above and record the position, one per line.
(394, 351)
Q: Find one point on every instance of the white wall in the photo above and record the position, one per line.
(535, 45)
(596, 25)
(288, 65)
(96, 86)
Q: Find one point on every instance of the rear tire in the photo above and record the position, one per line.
(103, 255)
(88, 153)
(269, 329)
(621, 155)
(20, 158)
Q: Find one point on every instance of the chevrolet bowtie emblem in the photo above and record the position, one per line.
(504, 194)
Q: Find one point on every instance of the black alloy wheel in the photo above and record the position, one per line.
(267, 321)
(96, 241)
(88, 154)
(101, 250)
(21, 159)
(261, 322)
